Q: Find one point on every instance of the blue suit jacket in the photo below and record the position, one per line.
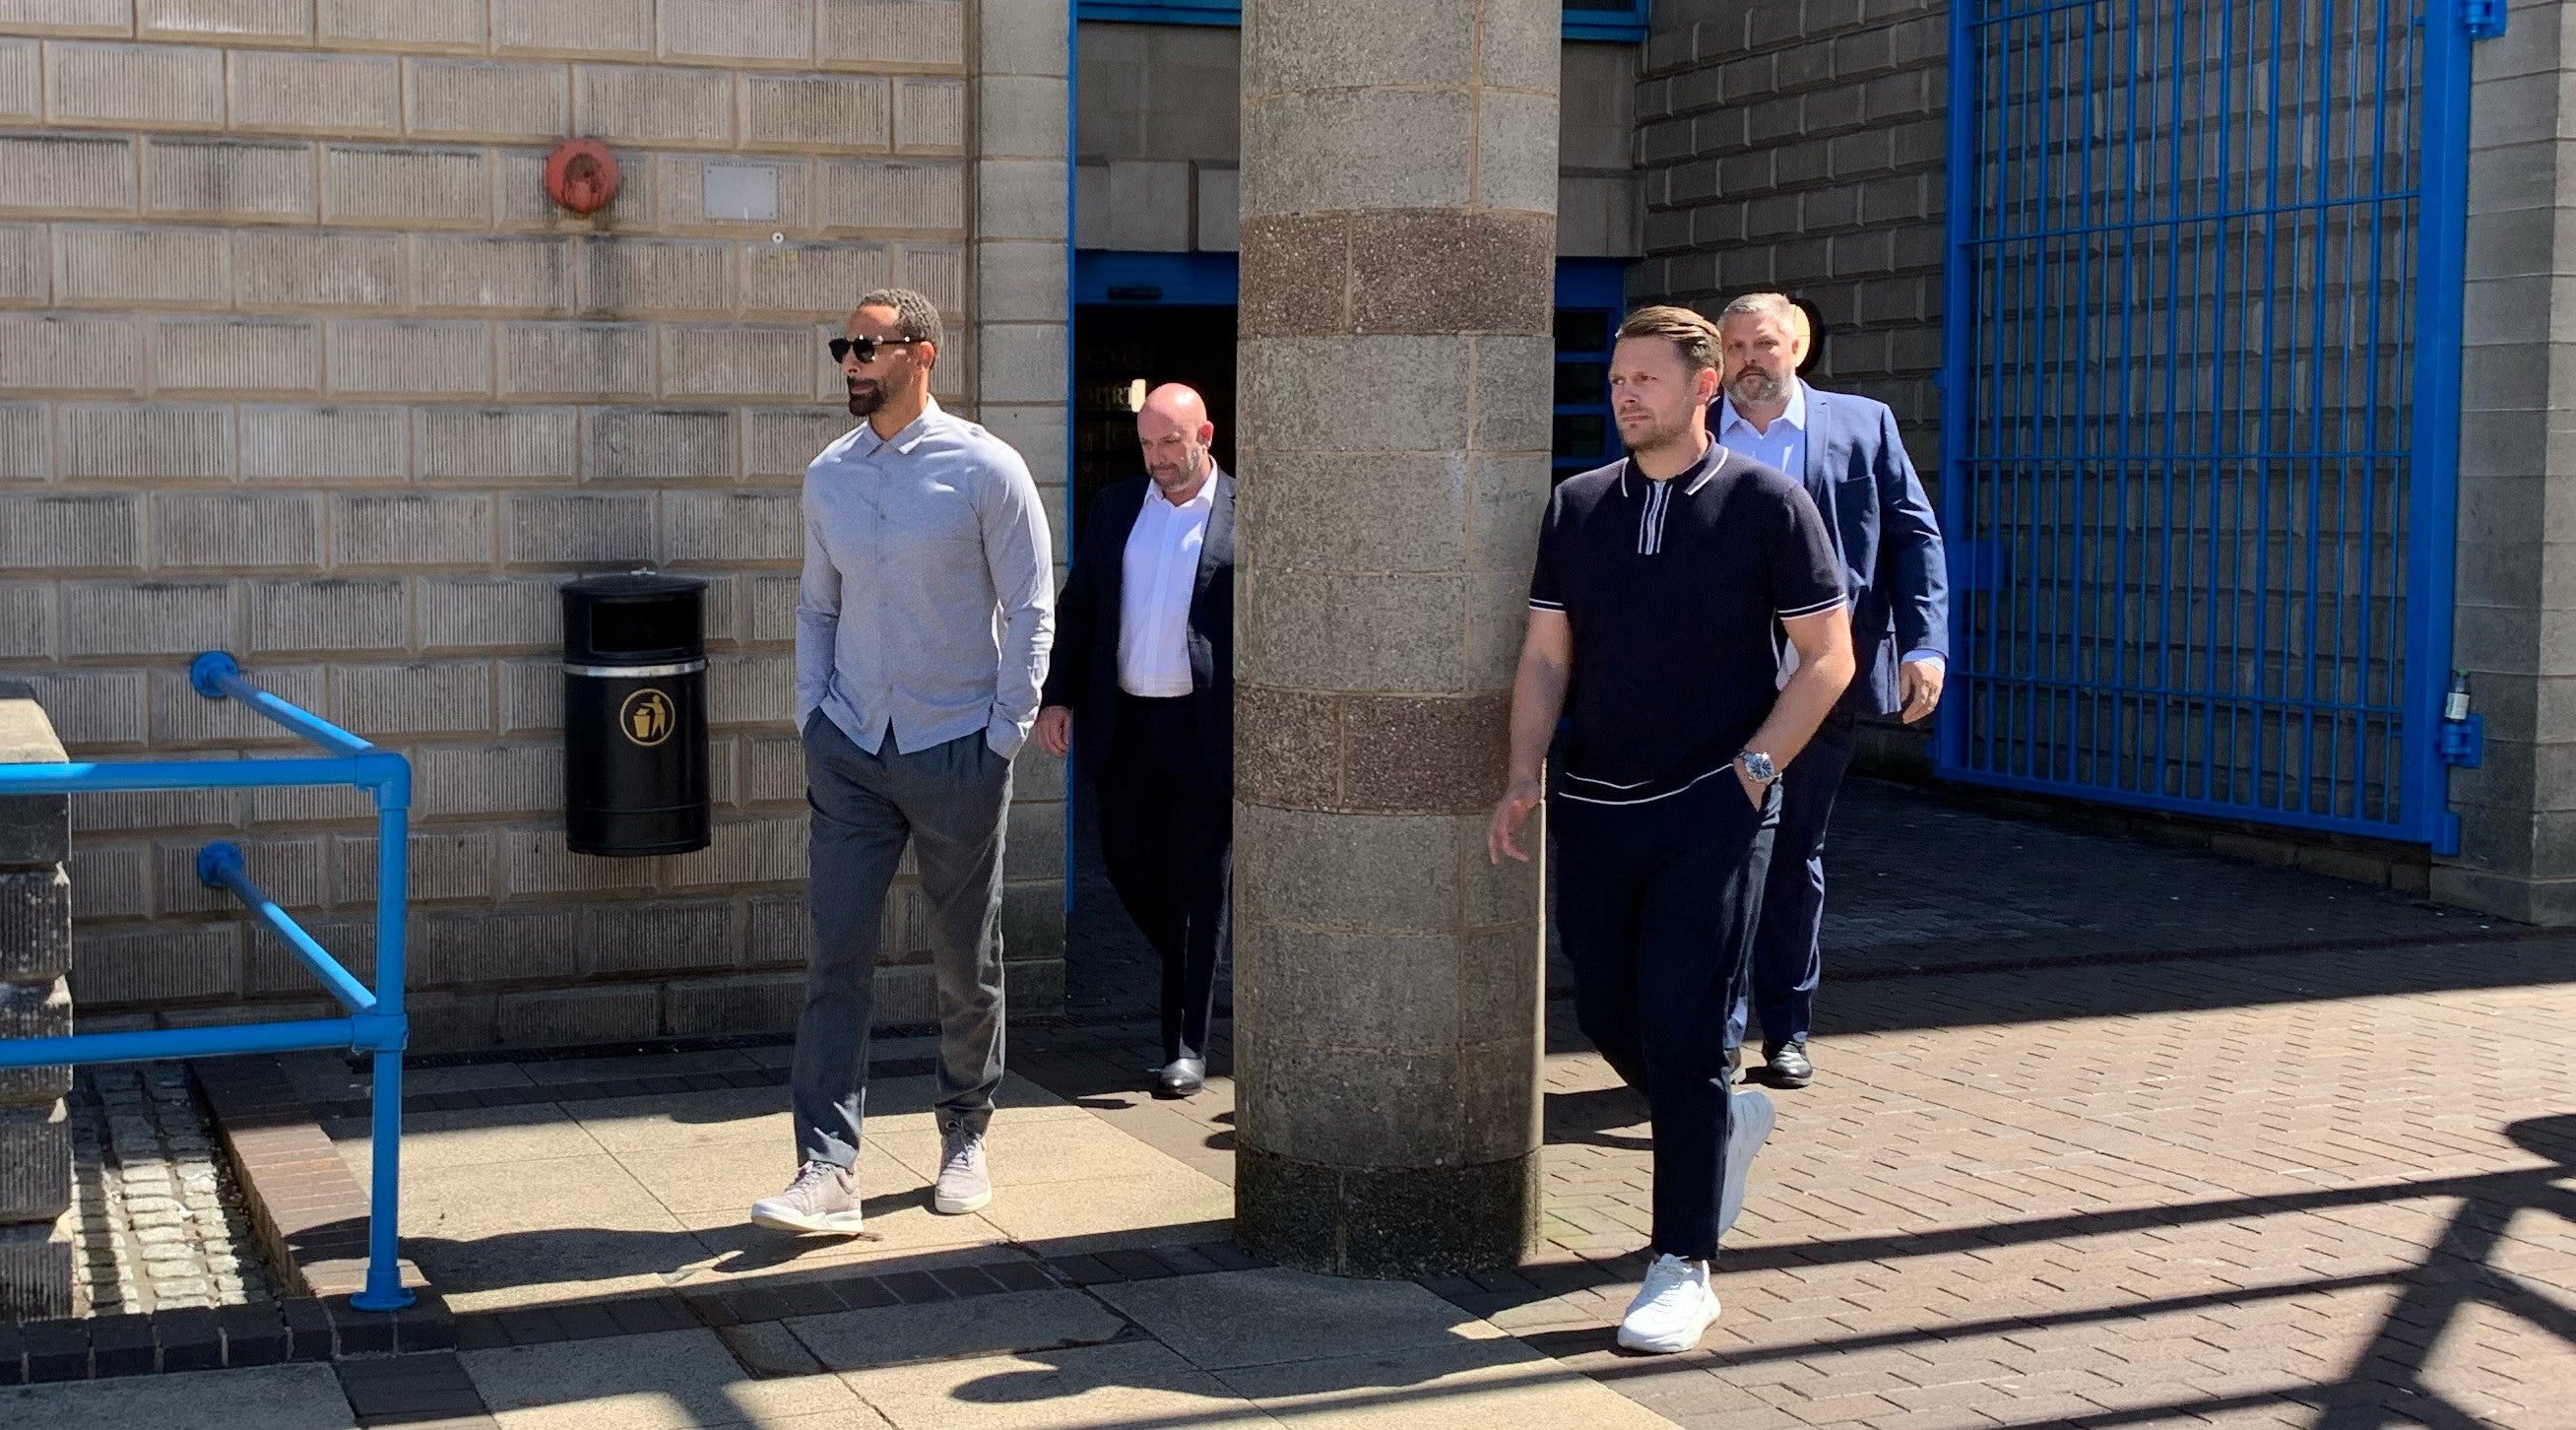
(1893, 566)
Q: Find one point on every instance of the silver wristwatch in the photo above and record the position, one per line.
(1757, 767)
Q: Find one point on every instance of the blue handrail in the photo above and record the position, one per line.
(375, 1024)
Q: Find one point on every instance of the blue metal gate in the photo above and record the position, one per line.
(2200, 391)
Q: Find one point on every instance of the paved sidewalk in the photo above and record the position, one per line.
(2188, 1143)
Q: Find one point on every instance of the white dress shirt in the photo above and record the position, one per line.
(1784, 447)
(1160, 575)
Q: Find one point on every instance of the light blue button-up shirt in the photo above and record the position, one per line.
(1784, 447)
(928, 602)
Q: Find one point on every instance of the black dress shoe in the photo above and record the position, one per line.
(1182, 1077)
(1786, 1065)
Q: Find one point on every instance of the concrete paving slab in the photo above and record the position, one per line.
(679, 1119)
(1181, 1203)
(725, 1176)
(1018, 1322)
(674, 1380)
(1017, 1099)
(593, 1190)
(902, 1223)
(1120, 1387)
(471, 1137)
(325, 1077)
(1466, 1385)
(1026, 1153)
(529, 1233)
(1245, 1318)
(282, 1397)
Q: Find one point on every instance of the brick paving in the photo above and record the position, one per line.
(2223, 1148)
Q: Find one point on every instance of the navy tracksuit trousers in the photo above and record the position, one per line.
(1657, 904)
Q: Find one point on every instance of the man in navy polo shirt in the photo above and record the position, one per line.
(1664, 586)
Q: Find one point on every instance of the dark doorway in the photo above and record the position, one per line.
(1120, 350)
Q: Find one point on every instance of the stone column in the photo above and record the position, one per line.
(35, 1002)
(1398, 244)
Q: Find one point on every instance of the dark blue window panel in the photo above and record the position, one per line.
(1622, 20)
(1589, 294)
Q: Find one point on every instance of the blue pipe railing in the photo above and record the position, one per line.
(375, 1024)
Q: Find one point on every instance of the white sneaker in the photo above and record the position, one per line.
(1750, 1118)
(964, 1184)
(1672, 1310)
(822, 1198)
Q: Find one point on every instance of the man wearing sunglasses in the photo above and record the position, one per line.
(922, 629)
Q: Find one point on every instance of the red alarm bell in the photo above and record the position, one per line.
(581, 175)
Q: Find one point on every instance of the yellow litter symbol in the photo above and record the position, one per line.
(646, 718)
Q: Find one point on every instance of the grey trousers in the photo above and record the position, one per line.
(949, 801)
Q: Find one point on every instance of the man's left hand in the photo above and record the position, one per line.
(1753, 788)
(1918, 684)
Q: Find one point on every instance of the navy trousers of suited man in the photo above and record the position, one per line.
(1788, 948)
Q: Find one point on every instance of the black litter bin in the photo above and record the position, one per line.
(635, 714)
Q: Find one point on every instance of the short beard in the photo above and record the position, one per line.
(1662, 436)
(864, 401)
(1757, 386)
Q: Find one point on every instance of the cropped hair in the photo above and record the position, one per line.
(1687, 331)
(915, 316)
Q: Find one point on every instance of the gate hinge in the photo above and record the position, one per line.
(2461, 743)
(2483, 19)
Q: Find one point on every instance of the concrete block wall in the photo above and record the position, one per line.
(1161, 138)
(297, 359)
(35, 1002)
(2514, 618)
(1798, 145)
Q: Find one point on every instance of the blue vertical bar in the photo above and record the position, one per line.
(2225, 434)
(384, 1290)
(2315, 457)
(1072, 377)
(2263, 440)
(2370, 434)
(2124, 447)
(2081, 698)
(1996, 444)
(2031, 385)
(2170, 454)
(2431, 505)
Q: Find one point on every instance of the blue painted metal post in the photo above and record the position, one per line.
(375, 1023)
(2432, 513)
(384, 1290)
(1958, 328)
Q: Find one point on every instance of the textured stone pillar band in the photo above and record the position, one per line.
(1398, 250)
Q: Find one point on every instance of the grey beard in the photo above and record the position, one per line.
(1752, 385)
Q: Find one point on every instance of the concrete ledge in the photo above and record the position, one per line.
(309, 1213)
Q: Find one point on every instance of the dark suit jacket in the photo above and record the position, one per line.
(1893, 566)
(1083, 676)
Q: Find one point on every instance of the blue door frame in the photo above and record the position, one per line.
(2200, 391)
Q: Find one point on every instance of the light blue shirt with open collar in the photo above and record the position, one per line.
(1783, 447)
(927, 605)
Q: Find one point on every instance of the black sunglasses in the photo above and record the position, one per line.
(866, 348)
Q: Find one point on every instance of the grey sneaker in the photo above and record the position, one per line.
(1750, 1118)
(964, 1185)
(822, 1198)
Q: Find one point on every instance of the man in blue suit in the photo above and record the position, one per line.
(1846, 450)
